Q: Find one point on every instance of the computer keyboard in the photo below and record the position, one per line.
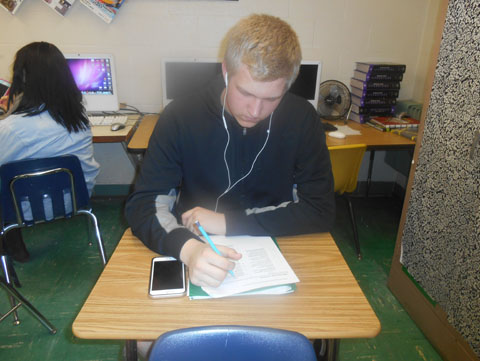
(107, 119)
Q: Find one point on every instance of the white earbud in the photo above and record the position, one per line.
(223, 108)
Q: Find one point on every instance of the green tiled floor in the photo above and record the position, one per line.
(63, 269)
(400, 339)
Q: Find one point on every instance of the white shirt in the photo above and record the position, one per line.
(40, 136)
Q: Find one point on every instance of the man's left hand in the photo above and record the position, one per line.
(212, 222)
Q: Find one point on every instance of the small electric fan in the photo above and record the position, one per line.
(334, 101)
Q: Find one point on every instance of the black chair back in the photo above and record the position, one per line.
(233, 343)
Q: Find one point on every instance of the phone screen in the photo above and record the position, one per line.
(4, 86)
(167, 276)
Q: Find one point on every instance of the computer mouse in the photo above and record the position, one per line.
(336, 134)
(117, 126)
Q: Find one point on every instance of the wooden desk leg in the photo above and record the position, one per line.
(131, 350)
(326, 349)
(370, 170)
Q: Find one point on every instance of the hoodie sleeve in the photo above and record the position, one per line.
(149, 208)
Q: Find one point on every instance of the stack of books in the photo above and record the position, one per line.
(375, 88)
(405, 126)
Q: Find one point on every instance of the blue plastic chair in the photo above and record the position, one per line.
(232, 343)
(42, 190)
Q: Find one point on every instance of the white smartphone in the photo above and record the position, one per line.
(167, 278)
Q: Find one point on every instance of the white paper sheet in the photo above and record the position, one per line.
(262, 265)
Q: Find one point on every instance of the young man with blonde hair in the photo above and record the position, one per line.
(231, 156)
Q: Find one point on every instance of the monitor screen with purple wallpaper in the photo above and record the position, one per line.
(94, 75)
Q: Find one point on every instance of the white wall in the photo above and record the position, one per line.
(337, 32)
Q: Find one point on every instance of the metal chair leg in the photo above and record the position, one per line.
(326, 349)
(332, 349)
(101, 247)
(13, 310)
(14, 306)
(23, 302)
(90, 230)
(131, 350)
(354, 227)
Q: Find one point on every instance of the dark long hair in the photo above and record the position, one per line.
(42, 75)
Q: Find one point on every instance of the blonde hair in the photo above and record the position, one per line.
(267, 45)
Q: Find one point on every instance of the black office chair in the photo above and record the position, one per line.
(232, 343)
(42, 190)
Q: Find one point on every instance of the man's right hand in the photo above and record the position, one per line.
(205, 267)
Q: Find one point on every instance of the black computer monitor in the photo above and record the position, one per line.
(183, 76)
(307, 83)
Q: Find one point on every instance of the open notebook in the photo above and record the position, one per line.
(262, 270)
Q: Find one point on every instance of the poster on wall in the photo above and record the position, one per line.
(10, 5)
(104, 9)
(61, 7)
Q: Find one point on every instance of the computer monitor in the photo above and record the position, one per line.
(307, 84)
(94, 75)
(183, 76)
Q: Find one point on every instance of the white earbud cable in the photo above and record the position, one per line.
(230, 186)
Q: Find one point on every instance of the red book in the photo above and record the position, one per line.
(393, 122)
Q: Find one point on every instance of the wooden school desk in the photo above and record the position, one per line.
(103, 134)
(328, 303)
(139, 141)
(373, 138)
